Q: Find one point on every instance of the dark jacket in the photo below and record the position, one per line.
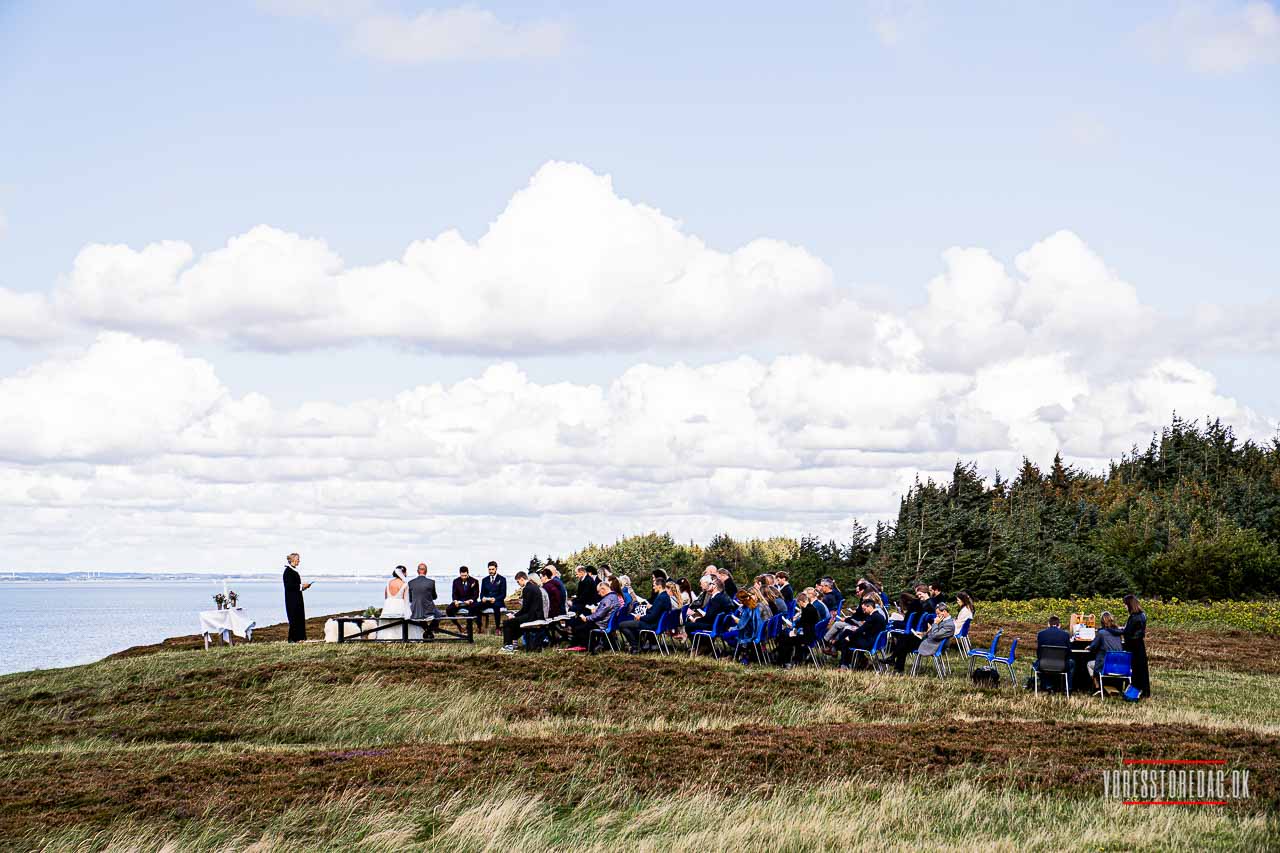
(1052, 636)
(530, 603)
(1135, 629)
(661, 604)
(555, 590)
(807, 622)
(788, 593)
(422, 597)
(834, 601)
(719, 603)
(494, 587)
(586, 594)
(466, 589)
(913, 607)
(864, 636)
(730, 588)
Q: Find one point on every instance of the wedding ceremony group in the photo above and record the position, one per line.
(765, 621)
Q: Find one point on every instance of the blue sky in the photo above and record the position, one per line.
(874, 136)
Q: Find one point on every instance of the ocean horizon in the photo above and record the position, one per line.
(68, 619)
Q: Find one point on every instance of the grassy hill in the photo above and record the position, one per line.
(389, 748)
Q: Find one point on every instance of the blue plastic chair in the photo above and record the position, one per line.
(755, 642)
(617, 616)
(664, 625)
(791, 609)
(875, 655)
(939, 662)
(819, 631)
(1008, 662)
(717, 630)
(962, 639)
(912, 621)
(772, 628)
(989, 655)
(1115, 665)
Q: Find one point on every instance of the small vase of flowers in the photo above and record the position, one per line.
(220, 600)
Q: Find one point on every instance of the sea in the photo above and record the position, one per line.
(55, 623)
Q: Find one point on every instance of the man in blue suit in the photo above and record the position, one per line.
(493, 592)
(649, 621)
(1054, 636)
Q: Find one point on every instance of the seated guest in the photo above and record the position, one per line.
(493, 592)
(717, 603)
(661, 604)
(815, 598)
(831, 596)
(784, 583)
(926, 603)
(422, 595)
(965, 615)
(935, 596)
(864, 635)
(466, 590)
(802, 634)
(554, 588)
(773, 601)
(628, 595)
(944, 626)
(726, 580)
(582, 624)
(1053, 635)
(686, 592)
(910, 606)
(532, 609)
(660, 574)
(585, 595)
(746, 619)
(1109, 638)
(706, 585)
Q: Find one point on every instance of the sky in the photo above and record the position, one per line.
(386, 281)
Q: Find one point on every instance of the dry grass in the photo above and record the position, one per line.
(269, 745)
(895, 816)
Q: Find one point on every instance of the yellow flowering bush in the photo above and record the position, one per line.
(1262, 617)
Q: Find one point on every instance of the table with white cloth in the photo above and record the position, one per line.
(225, 623)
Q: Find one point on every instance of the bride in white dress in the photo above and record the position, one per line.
(396, 603)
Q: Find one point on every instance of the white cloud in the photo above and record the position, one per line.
(568, 265)
(138, 453)
(455, 34)
(1219, 37)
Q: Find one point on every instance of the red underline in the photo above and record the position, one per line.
(1175, 802)
(1175, 761)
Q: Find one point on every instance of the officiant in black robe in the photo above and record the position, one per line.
(293, 604)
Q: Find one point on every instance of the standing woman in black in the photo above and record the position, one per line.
(1135, 643)
(293, 606)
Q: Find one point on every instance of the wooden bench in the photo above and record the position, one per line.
(438, 632)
